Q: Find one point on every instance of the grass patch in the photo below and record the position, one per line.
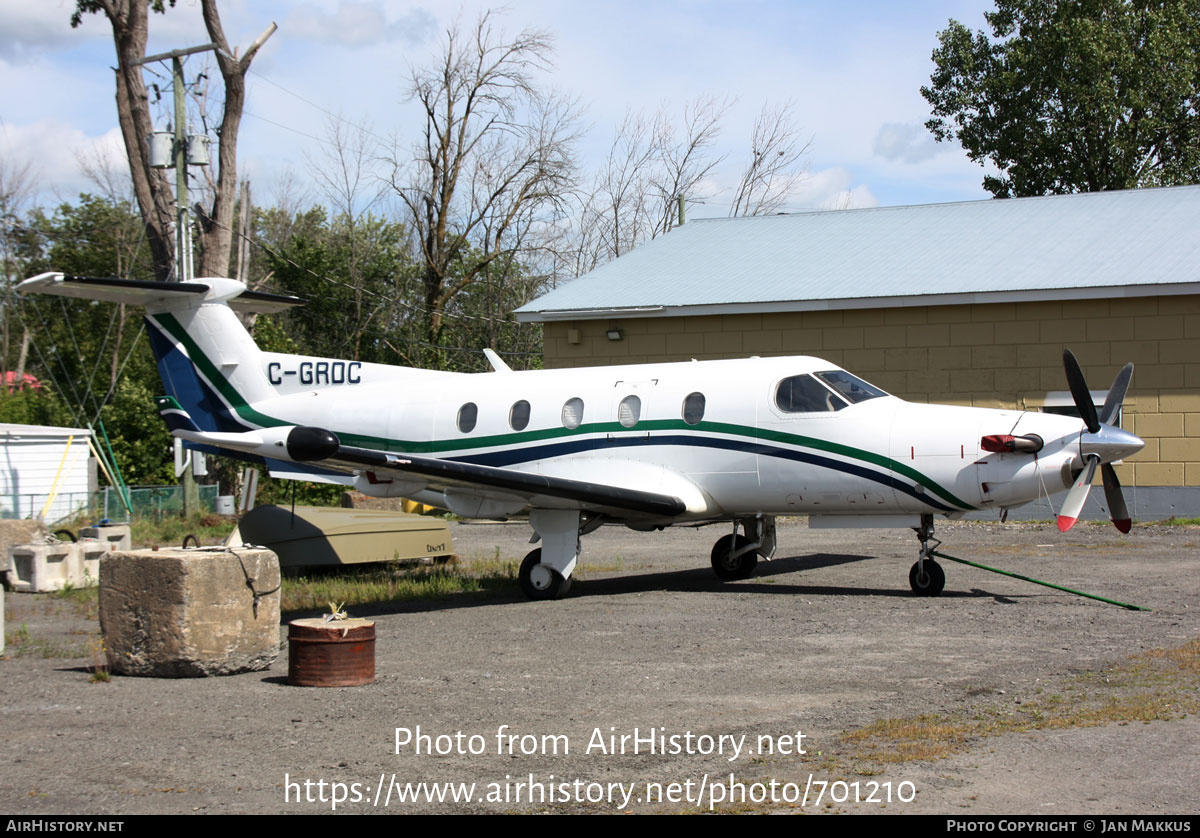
(1181, 522)
(1157, 685)
(170, 530)
(85, 601)
(390, 583)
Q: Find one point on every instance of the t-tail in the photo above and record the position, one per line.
(208, 362)
(218, 384)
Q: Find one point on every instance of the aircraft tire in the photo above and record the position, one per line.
(727, 568)
(537, 586)
(934, 581)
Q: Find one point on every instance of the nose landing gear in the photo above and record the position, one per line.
(927, 577)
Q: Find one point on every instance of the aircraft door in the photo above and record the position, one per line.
(631, 406)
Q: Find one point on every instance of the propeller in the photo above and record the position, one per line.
(1100, 445)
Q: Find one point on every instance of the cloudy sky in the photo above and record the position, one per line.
(852, 71)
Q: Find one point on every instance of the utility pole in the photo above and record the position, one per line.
(183, 232)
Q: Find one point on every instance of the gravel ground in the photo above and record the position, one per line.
(824, 639)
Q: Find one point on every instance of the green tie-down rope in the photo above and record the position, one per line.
(1038, 581)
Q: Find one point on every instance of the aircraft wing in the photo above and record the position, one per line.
(321, 447)
(494, 488)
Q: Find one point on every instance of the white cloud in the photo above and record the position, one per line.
(833, 189)
(906, 142)
(357, 23)
(32, 28)
(58, 152)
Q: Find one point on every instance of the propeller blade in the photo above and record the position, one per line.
(1117, 510)
(1116, 394)
(1080, 393)
(1073, 505)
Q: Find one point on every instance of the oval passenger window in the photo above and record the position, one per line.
(467, 414)
(629, 411)
(572, 413)
(518, 416)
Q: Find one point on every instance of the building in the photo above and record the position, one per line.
(965, 303)
(46, 472)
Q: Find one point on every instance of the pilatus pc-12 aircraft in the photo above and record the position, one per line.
(648, 446)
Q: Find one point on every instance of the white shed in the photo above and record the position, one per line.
(44, 471)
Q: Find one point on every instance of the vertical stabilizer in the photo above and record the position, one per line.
(207, 360)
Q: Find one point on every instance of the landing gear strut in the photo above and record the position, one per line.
(927, 577)
(546, 571)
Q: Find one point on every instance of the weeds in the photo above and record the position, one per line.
(170, 530)
(392, 583)
(99, 665)
(1157, 685)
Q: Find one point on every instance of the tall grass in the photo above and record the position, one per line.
(391, 583)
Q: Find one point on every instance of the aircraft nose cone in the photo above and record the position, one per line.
(1111, 443)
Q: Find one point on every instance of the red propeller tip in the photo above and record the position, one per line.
(1065, 523)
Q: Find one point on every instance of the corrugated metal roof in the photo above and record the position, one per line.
(1057, 246)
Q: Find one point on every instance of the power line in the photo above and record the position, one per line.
(312, 104)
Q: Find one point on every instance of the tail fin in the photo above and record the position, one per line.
(207, 360)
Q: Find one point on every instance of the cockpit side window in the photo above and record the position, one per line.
(850, 387)
(804, 394)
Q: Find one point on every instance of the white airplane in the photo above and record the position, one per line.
(647, 445)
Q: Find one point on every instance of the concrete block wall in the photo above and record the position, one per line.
(987, 355)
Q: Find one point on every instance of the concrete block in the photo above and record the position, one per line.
(87, 562)
(118, 537)
(16, 531)
(190, 613)
(40, 568)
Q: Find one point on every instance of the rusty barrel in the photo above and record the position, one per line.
(338, 653)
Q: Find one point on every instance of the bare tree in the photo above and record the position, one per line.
(776, 167)
(352, 190)
(650, 165)
(685, 163)
(18, 180)
(130, 25)
(495, 159)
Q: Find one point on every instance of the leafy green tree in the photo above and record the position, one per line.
(1074, 95)
(93, 359)
(348, 271)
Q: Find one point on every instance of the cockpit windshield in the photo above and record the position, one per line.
(804, 394)
(823, 392)
(850, 387)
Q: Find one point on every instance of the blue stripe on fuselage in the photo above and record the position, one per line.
(510, 457)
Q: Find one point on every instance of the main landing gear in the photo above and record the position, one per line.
(541, 581)
(927, 577)
(735, 556)
(546, 572)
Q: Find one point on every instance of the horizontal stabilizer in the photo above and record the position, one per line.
(151, 293)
